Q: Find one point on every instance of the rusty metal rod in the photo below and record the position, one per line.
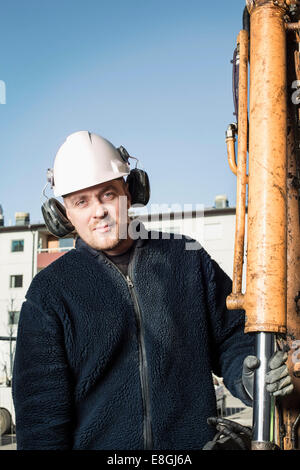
(292, 26)
(242, 163)
(235, 300)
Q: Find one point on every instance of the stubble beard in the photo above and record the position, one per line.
(106, 242)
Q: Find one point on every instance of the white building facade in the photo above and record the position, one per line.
(24, 250)
(213, 228)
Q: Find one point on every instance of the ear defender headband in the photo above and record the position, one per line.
(137, 180)
(54, 213)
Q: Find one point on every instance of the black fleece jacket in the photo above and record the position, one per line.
(108, 362)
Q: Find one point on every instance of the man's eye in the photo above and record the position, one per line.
(109, 195)
(81, 202)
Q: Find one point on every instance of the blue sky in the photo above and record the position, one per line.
(153, 76)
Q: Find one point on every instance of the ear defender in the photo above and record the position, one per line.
(138, 186)
(137, 180)
(55, 218)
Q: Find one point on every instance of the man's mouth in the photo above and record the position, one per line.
(102, 228)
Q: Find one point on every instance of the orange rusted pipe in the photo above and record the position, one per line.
(272, 298)
(230, 143)
(235, 300)
(266, 291)
(290, 405)
(242, 162)
(265, 298)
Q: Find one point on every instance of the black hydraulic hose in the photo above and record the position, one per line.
(234, 426)
(294, 431)
(241, 435)
(246, 20)
(235, 65)
(232, 435)
(235, 82)
(235, 69)
(246, 25)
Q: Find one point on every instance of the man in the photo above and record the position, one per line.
(118, 339)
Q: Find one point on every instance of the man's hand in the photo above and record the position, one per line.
(279, 382)
(278, 379)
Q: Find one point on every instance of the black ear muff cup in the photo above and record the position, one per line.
(138, 186)
(55, 218)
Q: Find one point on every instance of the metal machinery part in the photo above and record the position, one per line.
(270, 299)
(5, 421)
(263, 415)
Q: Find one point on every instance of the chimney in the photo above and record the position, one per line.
(22, 218)
(1, 217)
(221, 201)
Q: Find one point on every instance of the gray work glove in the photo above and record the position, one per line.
(279, 382)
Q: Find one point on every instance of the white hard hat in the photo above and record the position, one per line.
(84, 160)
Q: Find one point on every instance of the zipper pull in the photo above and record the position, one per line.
(129, 281)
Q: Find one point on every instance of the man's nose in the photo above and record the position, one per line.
(99, 210)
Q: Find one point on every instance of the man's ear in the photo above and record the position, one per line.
(67, 210)
(128, 195)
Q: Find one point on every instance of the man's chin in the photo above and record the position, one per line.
(103, 241)
(106, 245)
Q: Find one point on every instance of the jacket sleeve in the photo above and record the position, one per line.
(228, 342)
(42, 390)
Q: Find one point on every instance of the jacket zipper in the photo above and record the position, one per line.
(148, 445)
(143, 368)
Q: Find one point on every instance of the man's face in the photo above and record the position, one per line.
(100, 215)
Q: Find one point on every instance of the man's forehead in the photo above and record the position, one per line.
(94, 189)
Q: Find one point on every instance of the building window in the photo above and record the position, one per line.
(16, 280)
(13, 317)
(17, 245)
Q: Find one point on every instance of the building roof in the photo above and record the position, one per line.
(23, 228)
(208, 212)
